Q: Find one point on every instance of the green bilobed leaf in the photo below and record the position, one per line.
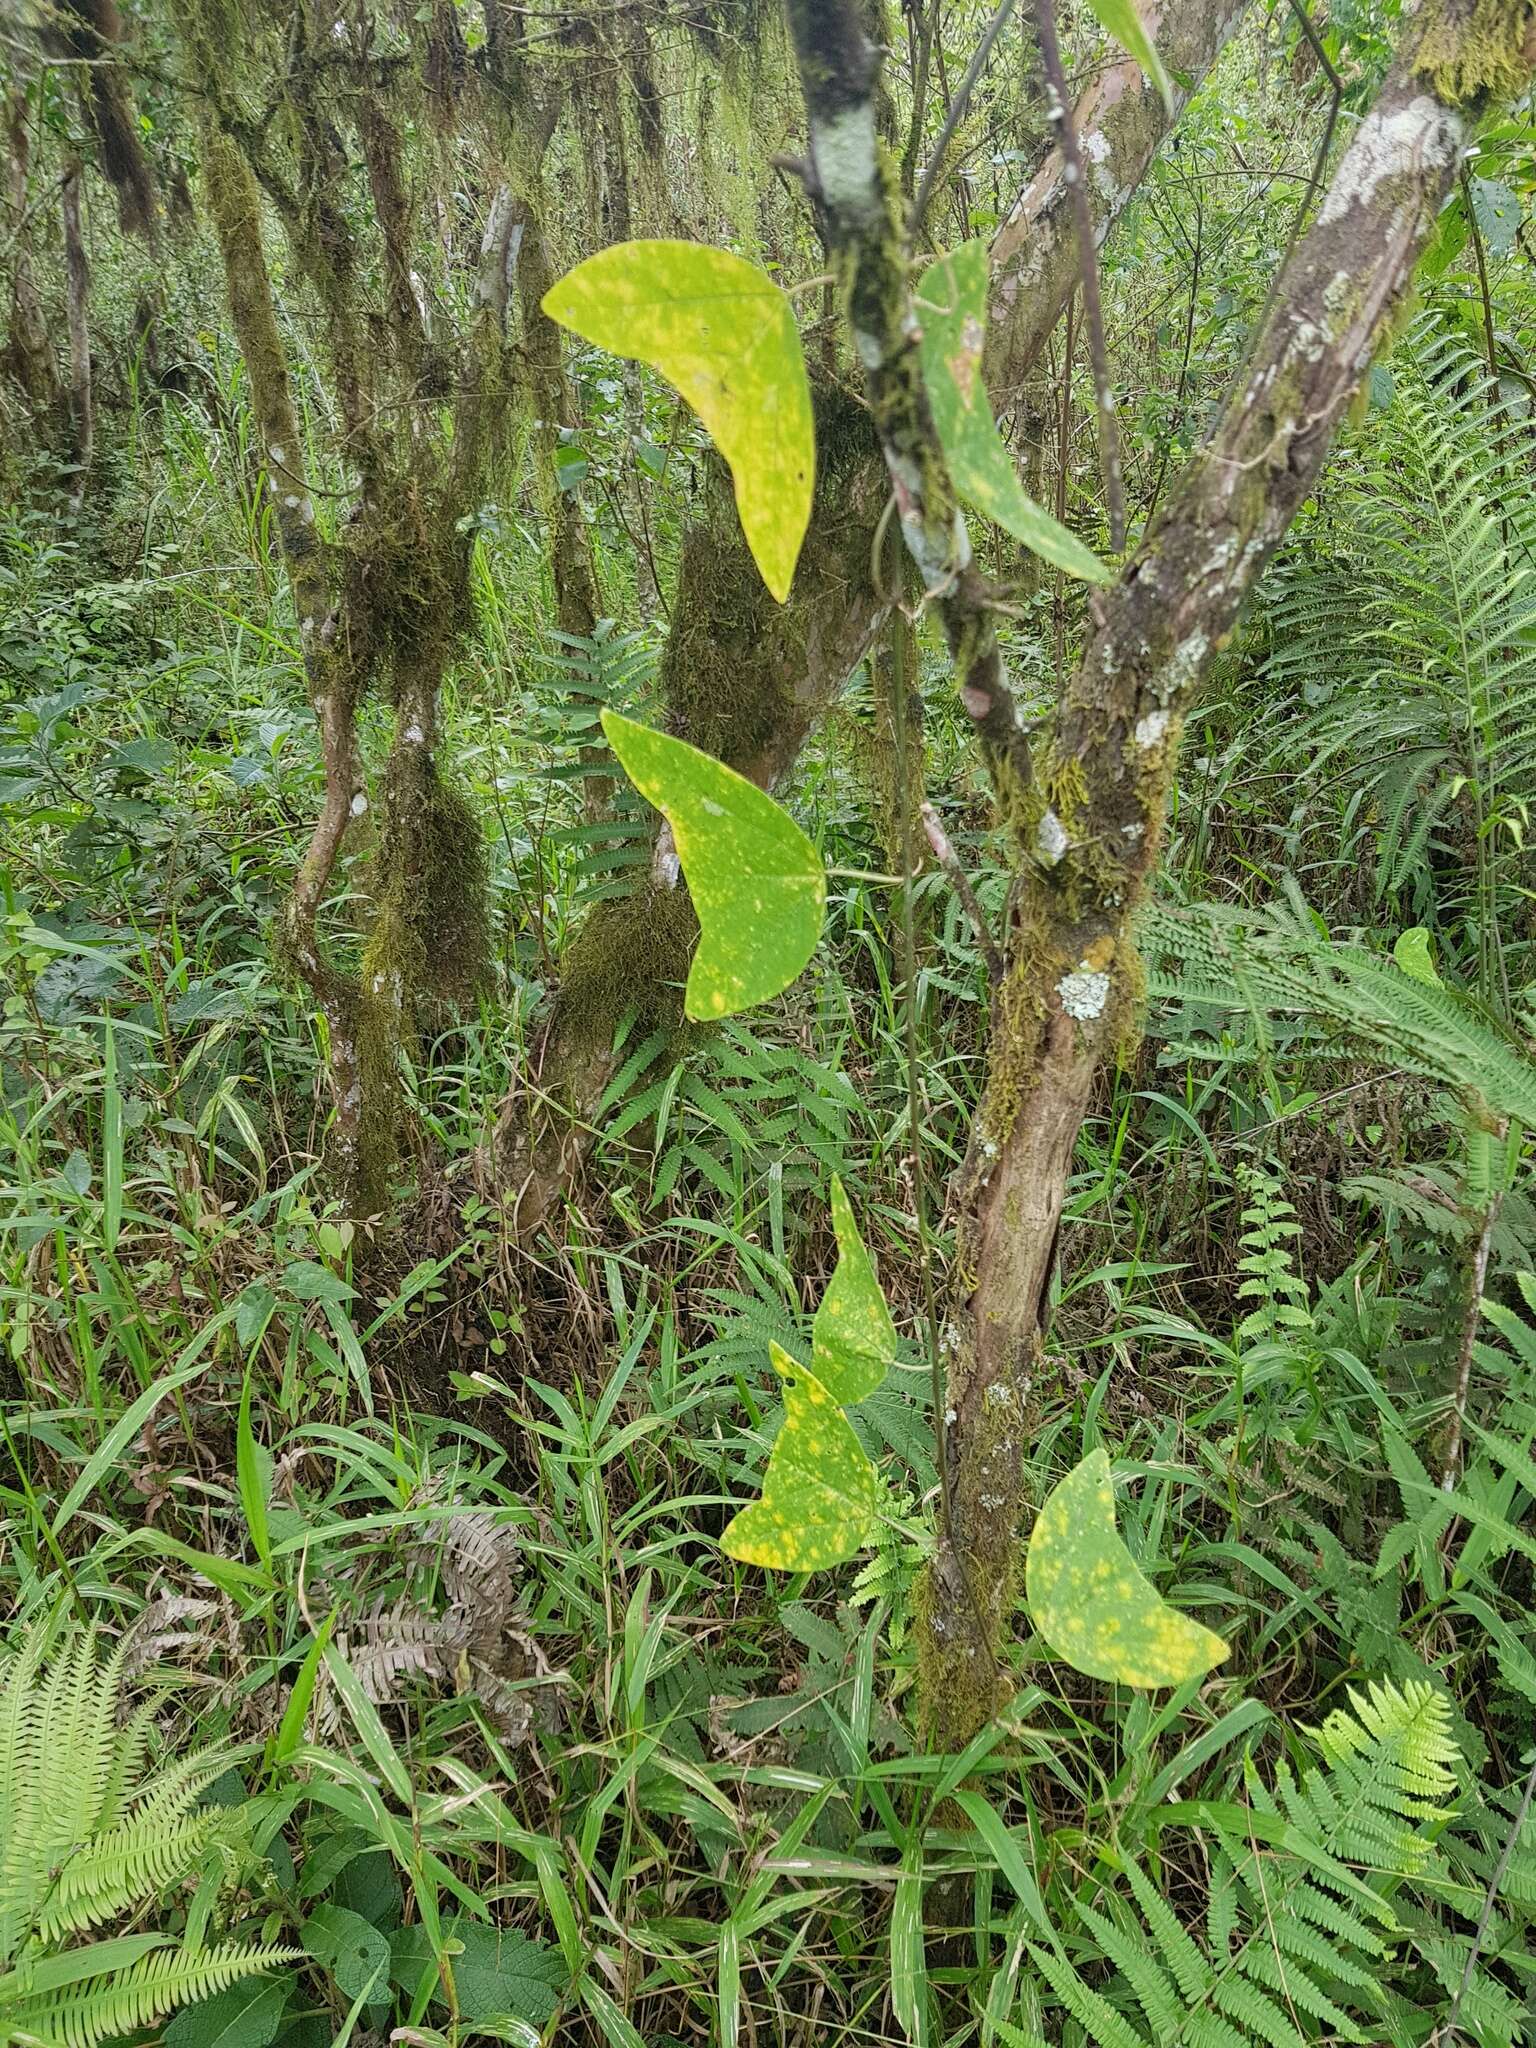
(820, 1492)
(757, 882)
(1091, 1603)
(1413, 956)
(724, 335)
(952, 306)
(1118, 18)
(1496, 207)
(853, 1339)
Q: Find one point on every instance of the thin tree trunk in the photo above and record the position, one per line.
(333, 680)
(78, 276)
(29, 355)
(1069, 1001)
(1069, 996)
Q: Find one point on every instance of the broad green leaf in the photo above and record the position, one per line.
(952, 306)
(1496, 208)
(494, 1972)
(757, 882)
(247, 2015)
(1118, 18)
(1091, 1603)
(1412, 954)
(355, 1954)
(853, 1339)
(820, 1491)
(720, 331)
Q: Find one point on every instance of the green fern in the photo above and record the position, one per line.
(1276, 962)
(1404, 627)
(608, 670)
(85, 1837)
(1270, 1280)
(1300, 1920)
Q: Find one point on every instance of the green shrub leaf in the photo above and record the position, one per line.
(720, 331)
(247, 2015)
(820, 1491)
(1413, 955)
(494, 1972)
(853, 1337)
(1091, 1603)
(355, 1953)
(952, 305)
(757, 882)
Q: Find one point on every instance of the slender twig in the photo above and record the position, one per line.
(947, 858)
(1320, 161)
(1060, 109)
(1475, 235)
(956, 115)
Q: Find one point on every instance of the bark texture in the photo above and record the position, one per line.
(1087, 828)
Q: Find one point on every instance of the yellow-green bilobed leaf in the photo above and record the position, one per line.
(853, 1339)
(724, 335)
(820, 1492)
(757, 882)
(1092, 1605)
(952, 309)
(1118, 18)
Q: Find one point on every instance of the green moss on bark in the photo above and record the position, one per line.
(1482, 56)
(630, 956)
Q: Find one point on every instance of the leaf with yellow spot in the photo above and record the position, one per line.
(1090, 1602)
(820, 1492)
(757, 882)
(723, 334)
(951, 304)
(853, 1339)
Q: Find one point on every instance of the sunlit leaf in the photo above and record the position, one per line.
(952, 307)
(1118, 18)
(820, 1491)
(1412, 954)
(724, 334)
(1091, 1603)
(757, 882)
(853, 1338)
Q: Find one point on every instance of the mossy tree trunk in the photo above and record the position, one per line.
(750, 680)
(412, 321)
(1069, 995)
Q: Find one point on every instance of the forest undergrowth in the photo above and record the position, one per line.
(390, 1541)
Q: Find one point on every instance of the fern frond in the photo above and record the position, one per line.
(1295, 1939)
(99, 2008)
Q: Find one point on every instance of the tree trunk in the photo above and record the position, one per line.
(752, 682)
(78, 275)
(28, 355)
(746, 679)
(1086, 828)
(1068, 1003)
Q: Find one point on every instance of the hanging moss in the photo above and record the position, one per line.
(376, 1038)
(630, 956)
(432, 928)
